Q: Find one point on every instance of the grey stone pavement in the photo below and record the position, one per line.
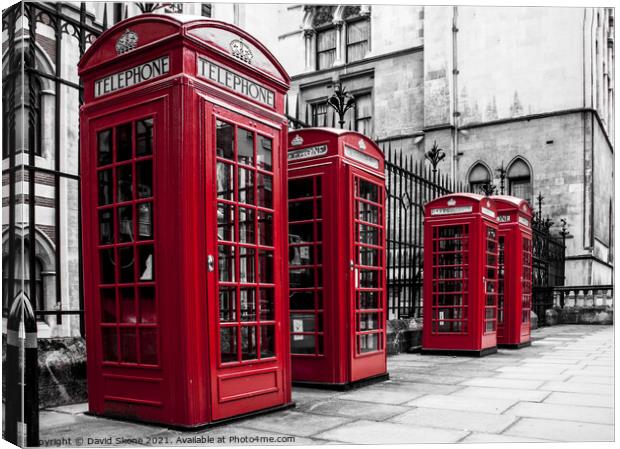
(559, 389)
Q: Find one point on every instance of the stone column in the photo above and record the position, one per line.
(340, 42)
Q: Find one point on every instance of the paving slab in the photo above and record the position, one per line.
(595, 415)
(295, 423)
(381, 396)
(478, 437)
(575, 387)
(557, 430)
(52, 419)
(370, 432)
(455, 419)
(428, 378)
(483, 405)
(353, 409)
(592, 379)
(503, 393)
(533, 368)
(503, 383)
(592, 400)
(417, 387)
(72, 409)
(529, 375)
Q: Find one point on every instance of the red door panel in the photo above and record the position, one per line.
(243, 199)
(367, 262)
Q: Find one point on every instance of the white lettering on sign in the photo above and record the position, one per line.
(524, 221)
(361, 157)
(488, 212)
(305, 153)
(238, 83)
(503, 218)
(132, 76)
(451, 210)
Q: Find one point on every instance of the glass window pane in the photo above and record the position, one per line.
(267, 341)
(300, 255)
(245, 147)
(265, 228)
(124, 183)
(302, 344)
(368, 234)
(247, 300)
(302, 300)
(145, 270)
(267, 312)
(368, 212)
(105, 226)
(368, 343)
(108, 305)
(126, 260)
(228, 344)
(123, 142)
(246, 186)
(368, 191)
(148, 346)
(148, 312)
(224, 140)
(300, 188)
(369, 278)
(247, 266)
(246, 225)
(265, 190)
(248, 343)
(228, 304)
(226, 222)
(144, 174)
(225, 181)
(105, 187)
(369, 256)
(264, 152)
(109, 341)
(107, 264)
(104, 147)
(368, 300)
(265, 266)
(300, 210)
(368, 321)
(301, 278)
(144, 137)
(128, 305)
(128, 345)
(145, 221)
(125, 224)
(302, 232)
(226, 263)
(303, 322)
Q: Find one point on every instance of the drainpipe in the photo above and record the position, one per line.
(455, 102)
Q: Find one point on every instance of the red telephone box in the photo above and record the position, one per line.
(184, 222)
(514, 300)
(460, 275)
(336, 258)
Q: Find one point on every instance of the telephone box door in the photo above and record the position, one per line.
(246, 340)
(367, 259)
(526, 288)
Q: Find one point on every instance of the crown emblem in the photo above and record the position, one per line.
(128, 41)
(451, 202)
(241, 51)
(488, 204)
(297, 140)
(362, 145)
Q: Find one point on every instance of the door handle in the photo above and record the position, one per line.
(210, 263)
(351, 264)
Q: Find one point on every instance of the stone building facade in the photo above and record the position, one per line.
(528, 89)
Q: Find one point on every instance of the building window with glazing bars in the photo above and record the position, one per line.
(363, 113)
(325, 48)
(358, 39)
(319, 114)
(176, 8)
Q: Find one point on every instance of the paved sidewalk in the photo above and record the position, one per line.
(559, 389)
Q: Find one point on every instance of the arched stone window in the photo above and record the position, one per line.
(479, 174)
(520, 179)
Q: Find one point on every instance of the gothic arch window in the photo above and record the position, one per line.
(357, 33)
(30, 282)
(520, 179)
(479, 174)
(326, 36)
